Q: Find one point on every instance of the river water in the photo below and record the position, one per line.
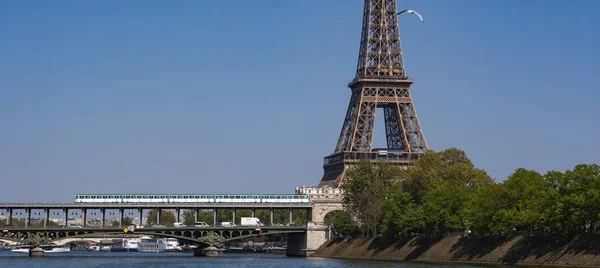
(148, 260)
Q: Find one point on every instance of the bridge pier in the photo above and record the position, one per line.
(103, 213)
(272, 212)
(291, 216)
(196, 215)
(10, 213)
(253, 212)
(141, 214)
(304, 244)
(178, 212)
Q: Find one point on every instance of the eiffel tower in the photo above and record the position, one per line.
(380, 82)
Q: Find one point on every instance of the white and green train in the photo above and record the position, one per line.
(191, 198)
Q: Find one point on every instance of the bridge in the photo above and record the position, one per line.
(140, 207)
(189, 234)
(302, 240)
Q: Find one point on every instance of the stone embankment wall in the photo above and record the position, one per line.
(581, 251)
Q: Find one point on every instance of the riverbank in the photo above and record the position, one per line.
(581, 251)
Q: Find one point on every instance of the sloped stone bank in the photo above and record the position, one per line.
(581, 251)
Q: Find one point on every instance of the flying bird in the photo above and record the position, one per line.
(412, 12)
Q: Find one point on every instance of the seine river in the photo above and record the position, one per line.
(145, 260)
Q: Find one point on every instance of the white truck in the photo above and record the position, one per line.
(248, 221)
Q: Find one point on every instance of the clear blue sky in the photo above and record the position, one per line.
(248, 96)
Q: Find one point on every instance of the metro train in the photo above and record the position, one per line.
(191, 198)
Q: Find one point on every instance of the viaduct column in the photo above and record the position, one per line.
(66, 210)
(233, 221)
(291, 216)
(214, 217)
(158, 210)
(84, 211)
(46, 217)
(122, 212)
(140, 218)
(178, 212)
(272, 212)
(196, 215)
(253, 210)
(28, 222)
(10, 212)
(103, 213)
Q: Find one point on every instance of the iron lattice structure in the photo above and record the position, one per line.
(380, 82)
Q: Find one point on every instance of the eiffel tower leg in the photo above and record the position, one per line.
(362, 139)
(349, 123)
(416, 139)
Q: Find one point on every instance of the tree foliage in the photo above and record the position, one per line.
(167, 218)
(444, 192)
(363, 191)
(343, 223)
(189, 218)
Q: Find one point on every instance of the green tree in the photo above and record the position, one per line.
(281, 216)
(188, 217)
(224, 215)
(239, 213)
(581, 197)
(264, 215)
(445, 207)
(167, 218)
(485, 210)
(451, 165)
(364, 191)
(525, 191)
(342, 222)
(299, 216)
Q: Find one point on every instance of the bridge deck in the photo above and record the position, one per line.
(161, 229)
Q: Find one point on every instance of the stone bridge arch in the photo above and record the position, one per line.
(321, 209)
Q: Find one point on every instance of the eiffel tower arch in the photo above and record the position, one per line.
(380, 82)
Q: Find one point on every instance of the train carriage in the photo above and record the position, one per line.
(191, 198)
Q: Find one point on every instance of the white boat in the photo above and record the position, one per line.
(106, 245)
(125, 244)
(148, 244)
(94, 248)
(53, 250)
